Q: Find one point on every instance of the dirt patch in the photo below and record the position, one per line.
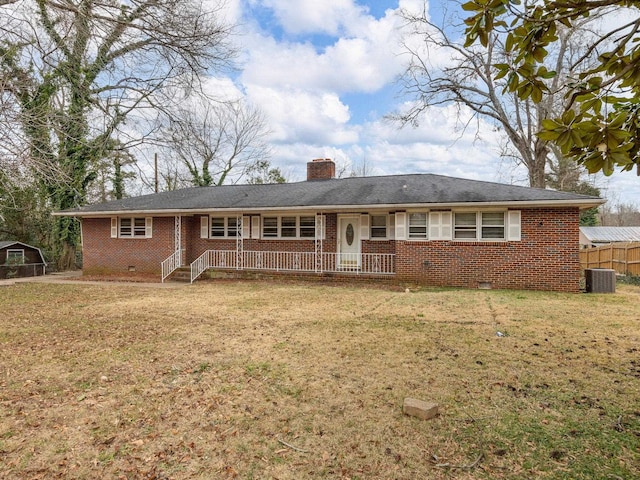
(281, 380)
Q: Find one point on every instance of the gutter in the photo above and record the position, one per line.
(351, 208)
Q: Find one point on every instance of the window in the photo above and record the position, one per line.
(15, 257)
(378, 226)
(135, 227)
(479, 226)
(418, 225)
(465, 225)
(224, 227)
(307, 227)
(289, 227)
(270, 227)
(493, 225)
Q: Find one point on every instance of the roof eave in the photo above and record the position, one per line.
(582, 204)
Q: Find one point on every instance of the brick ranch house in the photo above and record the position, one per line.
(410, 229)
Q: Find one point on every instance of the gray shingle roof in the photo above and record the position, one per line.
(611, 234)
(396, 190)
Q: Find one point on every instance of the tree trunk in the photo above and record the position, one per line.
(67, 240)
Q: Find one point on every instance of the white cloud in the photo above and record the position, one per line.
(314, 16)
(362, 61)
(300, 116)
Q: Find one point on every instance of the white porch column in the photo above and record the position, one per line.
(239, 243)
(319, 234)
(178, 237)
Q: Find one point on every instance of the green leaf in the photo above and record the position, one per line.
(550, 124)
(509, 42)
(536, 94)
(548, 135)
(568, 117)
(471, 7)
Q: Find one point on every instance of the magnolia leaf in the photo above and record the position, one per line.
(509, 42)
(550, 124)
(620, 158)
(536, 94)
(548, 135)
(576, 138)
(568, 117)
(471, 7)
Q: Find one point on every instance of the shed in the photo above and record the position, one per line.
(596, 236)
(19, 260)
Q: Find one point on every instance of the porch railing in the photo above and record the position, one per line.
(353, 263)
(171, 264)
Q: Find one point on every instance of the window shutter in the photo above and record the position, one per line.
(148, 227)
(401, 226)
(364, 226)
(246, 227)
(439, 225)
(114, 227)
(204, 227)
(513, 225)
(255, 227)
(391, 231)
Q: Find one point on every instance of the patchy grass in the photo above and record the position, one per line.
(258, 380)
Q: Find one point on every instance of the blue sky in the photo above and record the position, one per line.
(324, 73)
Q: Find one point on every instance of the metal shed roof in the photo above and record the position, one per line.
(611, 234)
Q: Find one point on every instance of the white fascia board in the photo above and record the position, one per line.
(583, 204)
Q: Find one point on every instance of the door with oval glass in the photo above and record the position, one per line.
(349, 242)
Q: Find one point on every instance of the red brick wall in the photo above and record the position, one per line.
(321, 169)
(102, 254)
(547, 257)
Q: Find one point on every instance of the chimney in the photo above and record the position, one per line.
(321, 169)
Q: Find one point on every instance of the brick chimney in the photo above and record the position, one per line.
(321, 169)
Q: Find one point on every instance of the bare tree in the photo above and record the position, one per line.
(468, 77)
(74, 70)
(216, 142)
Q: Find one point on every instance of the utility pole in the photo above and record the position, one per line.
(155, 167)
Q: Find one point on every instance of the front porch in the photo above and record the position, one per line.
(373, 264)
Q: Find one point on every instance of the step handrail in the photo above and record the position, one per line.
(171, 264)
(199, 265)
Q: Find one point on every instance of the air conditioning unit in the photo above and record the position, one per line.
(600, 280)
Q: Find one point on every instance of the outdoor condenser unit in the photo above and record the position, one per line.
(600, 280)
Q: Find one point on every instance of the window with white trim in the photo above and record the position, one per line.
(223, 227)
(308, 227)
(134, 227)
(418, 225)
(378, 226)
(492, 225)
(479, 226)
(15, 256)
(289, 226)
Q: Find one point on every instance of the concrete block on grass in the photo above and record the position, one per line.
(419, 408)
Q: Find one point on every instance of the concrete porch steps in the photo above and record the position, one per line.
(181, 274)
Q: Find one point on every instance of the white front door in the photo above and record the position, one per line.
(349, 242)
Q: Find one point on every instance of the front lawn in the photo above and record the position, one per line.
(257, 380)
